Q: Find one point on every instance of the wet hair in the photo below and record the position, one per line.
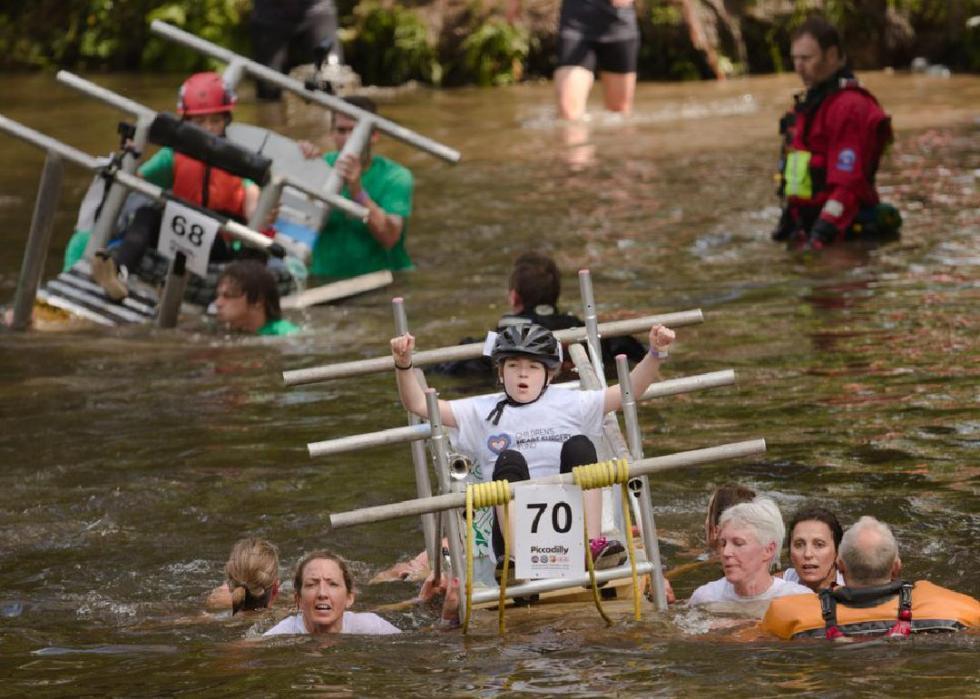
(326, 555)
(816, 514)
(724, 497)
(536, 280)
(763, 517)
(255, 280)
(868, 563)
(253, 571)
(825, 33)
(359, 101)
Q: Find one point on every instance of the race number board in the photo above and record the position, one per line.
(548, 532)
(188, 231)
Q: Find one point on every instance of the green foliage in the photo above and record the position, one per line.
(114, 34)
(218, 21)
(390, 45)
(495, 52)
(390, 42)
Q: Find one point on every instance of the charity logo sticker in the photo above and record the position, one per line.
(498, 442)
(846, 159)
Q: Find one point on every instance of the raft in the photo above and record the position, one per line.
(544, 598)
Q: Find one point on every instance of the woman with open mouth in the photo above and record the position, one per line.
(814, 536)
(324, 590)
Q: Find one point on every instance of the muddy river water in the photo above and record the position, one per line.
(133, 458)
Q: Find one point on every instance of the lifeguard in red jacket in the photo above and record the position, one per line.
(833, 141)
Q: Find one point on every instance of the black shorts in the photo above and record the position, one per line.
(607, 56)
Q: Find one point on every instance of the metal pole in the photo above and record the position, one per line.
(355, 144)
(173, 292)
(234, 72)
(591, 324)
(548, 584)
(116, 197)
(613, 446)
(268, 199)
(351, 208)
(448, 501)
(38, 239)
(232, 228)
(440, 450)
(145, 117)
(648, 526)
(423, 486)
(330, 102)
(475, 349)
(419, 431)
(670, 387)
(415, 433)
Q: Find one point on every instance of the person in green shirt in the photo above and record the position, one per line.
(346, 246)
(248, 300)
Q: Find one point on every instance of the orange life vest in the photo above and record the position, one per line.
(933, 608)
(209, 187)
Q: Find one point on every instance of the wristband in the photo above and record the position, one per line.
(404, 368)
(658, 354)
(362, 198)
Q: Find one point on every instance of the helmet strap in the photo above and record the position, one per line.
(498, 410)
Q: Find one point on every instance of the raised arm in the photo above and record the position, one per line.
(409, 390)
(646, 371)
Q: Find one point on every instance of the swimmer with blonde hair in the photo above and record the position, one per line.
(253, 577)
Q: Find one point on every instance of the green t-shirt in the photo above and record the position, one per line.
(345, 246)
(159, 169)
(278, 327)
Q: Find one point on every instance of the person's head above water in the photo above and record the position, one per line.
(749, 537)
(206, 100)
(816, 51)
(527, 356)
(869, 554)
(253, 574)
(534, 281)
(813, 538)
(247, 296)
(324, 590)
(724, 497)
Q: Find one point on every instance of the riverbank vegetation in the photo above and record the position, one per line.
(459, 42)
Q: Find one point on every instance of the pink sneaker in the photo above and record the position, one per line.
(607, 553)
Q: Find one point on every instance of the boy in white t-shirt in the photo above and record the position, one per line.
(531, 429)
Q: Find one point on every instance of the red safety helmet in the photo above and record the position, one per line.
(205, 93)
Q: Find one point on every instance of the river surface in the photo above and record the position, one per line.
(134, 458)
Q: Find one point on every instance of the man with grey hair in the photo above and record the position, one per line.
(868, 554)
(874, 601)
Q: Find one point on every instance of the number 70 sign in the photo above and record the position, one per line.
(548, 531)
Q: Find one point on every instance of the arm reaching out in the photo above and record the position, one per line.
(409, 390)
(643, 374)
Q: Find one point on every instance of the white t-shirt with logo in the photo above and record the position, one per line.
(723, 591)
(537, 430)
(354, 622)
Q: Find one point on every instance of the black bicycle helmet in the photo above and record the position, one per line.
(527, 340)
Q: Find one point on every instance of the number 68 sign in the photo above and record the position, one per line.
(187, 230)
(548, 532)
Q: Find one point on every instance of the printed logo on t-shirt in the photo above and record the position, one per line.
(498, 442)
(529, 438)
(846, 159)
